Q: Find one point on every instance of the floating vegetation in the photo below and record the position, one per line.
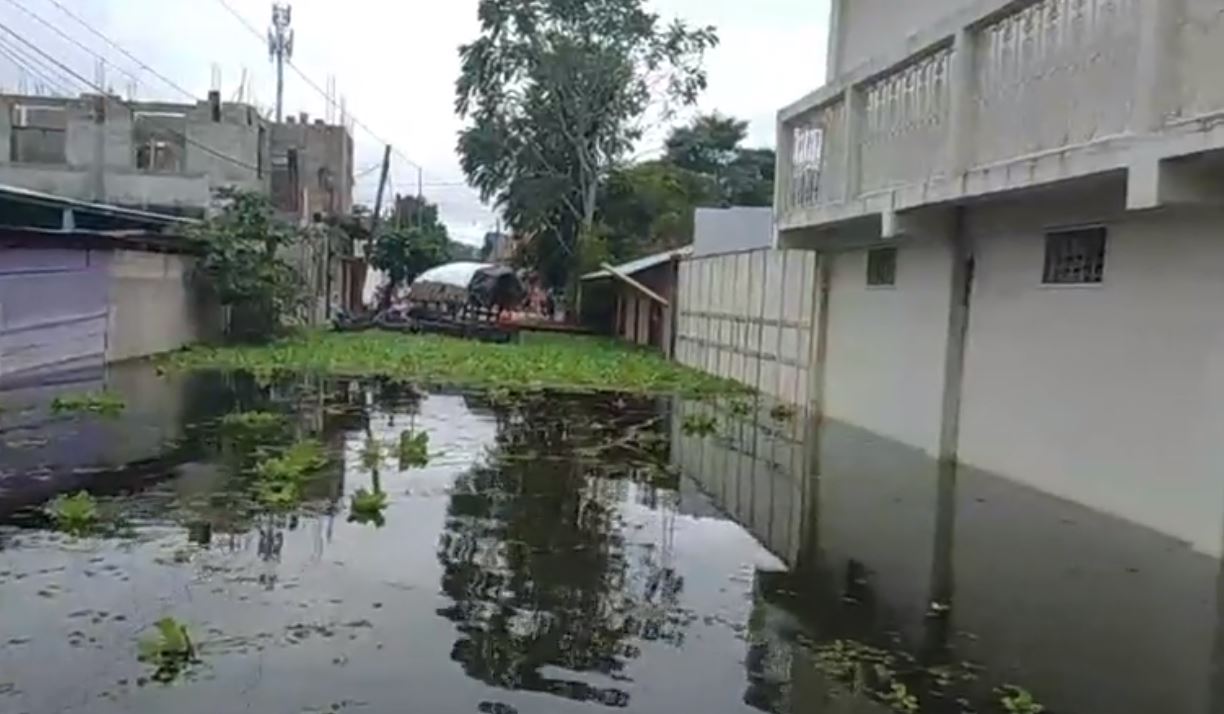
(782, 412)
(102, 403)
(169, 650)
(699, 425)
(740, 408)
(259, 422)
(1016, 700)
(299, 461)
(279, 479)
(414, 449)
(538, 361)
(76, 514)
(367, 507)
(899, 698)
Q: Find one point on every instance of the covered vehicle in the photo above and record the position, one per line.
(461, 286)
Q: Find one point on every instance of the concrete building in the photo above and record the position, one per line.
(173, 158)
(155, 156)
(312, 168)
(1017, 208)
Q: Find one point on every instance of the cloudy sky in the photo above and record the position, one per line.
(395, 63)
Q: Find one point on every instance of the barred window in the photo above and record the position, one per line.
(1075, 257)
(882, 267)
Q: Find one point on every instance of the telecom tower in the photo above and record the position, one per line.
(280, 48)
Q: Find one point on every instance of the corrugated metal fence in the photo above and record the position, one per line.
(751, 317)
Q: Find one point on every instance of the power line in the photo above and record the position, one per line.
(11, 55)
(314, 85)
(119, 100)
(121, 50)
(40, 69)
(67, 37)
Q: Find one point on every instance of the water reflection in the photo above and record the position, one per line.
(960, 574)
(559, 552)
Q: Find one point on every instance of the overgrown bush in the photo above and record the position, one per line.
(243, 262)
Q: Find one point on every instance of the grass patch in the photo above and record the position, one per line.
(538, 361)
(103, 403)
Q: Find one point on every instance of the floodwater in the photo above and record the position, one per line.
(566, 553)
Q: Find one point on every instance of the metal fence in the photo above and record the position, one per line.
(751, 317)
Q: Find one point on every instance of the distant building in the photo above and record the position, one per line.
(499, 247)
(635, 300)
(172, 158)
(155, 156)
(312, 168)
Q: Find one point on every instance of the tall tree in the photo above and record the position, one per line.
(556, 92)
(711, 145)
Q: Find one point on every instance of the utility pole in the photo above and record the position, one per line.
(382, 181)
(280, 48)
(420, 197)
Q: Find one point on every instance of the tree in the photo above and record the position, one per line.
(649, 207)
(711, 145)
(556, 92)
(405, 253)
(242, 261)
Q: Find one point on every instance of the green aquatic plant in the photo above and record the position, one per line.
(899, 698)
(168, 649)
(414, 449)
(278, 495)
(259, 422)
(102, 403)
(75, 514)
(367, 506)
(536, 362)
(740, 408)
(699, 425)
(1017, 700)
(782, 413)
(299, 461)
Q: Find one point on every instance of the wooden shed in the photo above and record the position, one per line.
(643, 293)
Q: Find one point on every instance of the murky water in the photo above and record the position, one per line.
(566, 553)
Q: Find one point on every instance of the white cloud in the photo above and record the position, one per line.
(396, 62)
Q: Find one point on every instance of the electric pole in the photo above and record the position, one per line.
(280, 48)
(382, 182)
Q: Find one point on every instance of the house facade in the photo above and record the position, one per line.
(1018, 209)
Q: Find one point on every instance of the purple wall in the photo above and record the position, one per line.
(53, 310)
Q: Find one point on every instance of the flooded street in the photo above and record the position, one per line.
(562, 552)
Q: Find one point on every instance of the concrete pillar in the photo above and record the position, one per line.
(837, 13)
(1155, 71)
(961, 115)
(852, 106)
(784, 168)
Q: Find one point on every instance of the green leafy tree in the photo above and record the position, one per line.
(243, 249)
(711, 145)
(649, 207)
(556, 92)
(405, 253)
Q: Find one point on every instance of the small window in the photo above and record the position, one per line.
(882, 267)
(1075, 257)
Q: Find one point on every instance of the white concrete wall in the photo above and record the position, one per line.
(751, 317)
(869, 28)
(154, 307)
(1109, 395)
(887, 345)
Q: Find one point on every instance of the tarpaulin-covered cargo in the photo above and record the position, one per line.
(481, 284)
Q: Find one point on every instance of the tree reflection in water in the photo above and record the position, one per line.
(543, 573)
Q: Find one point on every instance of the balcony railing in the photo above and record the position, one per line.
(1002, 83)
